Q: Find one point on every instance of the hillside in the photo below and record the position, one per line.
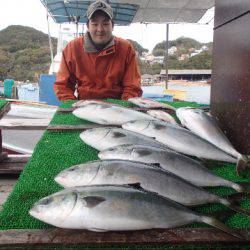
(183, 45)
(184, 53)
(24, 53)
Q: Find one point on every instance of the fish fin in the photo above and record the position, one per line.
(234, 207)
(156, 164)
(159, 126)
(235, 198)
(97, 230)
(243, 166)
(143, 152)
(223, 215)
(239, 209)
(217, 224)
(93, 201)
(246, 186)
(136, 185)
(118, 135)
(238, 187)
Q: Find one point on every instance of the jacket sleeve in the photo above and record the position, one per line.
(65, 85)
(132, 78)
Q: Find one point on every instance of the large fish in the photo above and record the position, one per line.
(103, 138)
(115, 208)
(149, 103)
(179, 139)
(151, 178)
(109, 114)
(206, 127)
(181, 165)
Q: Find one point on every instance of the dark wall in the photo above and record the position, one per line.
(230, 90)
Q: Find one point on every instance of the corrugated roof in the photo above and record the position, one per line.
(127, 11)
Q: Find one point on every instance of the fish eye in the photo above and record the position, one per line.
(46, 201)
(72, 169)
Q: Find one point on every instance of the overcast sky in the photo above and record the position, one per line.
(33, 14)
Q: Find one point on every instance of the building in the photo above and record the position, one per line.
(187, 74)
(183, 57)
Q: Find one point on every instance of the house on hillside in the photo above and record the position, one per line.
(183, 57)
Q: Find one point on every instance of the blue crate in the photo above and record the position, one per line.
(46, 90)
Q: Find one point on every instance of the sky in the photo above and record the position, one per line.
(33, 14)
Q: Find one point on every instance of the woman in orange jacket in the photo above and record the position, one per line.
(98, 65)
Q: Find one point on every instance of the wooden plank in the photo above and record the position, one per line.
(6, 186)
(13, 165)
(76, 127)
(39, 126)
(33, 103)
(170, 111)
(24, 124)
(63, 237)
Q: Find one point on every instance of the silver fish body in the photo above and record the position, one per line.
(109, 114)
(106, 208)
(181, 165)
(103, 138)
(206, 127)
(149, 103)
(179, 139)
(151, 178)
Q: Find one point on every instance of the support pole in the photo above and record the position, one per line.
(166, 54)
(50, 44)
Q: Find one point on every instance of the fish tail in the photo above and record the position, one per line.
(217, 224)
(239, 188)
(234, 207)
(243, 165)
(237, 197)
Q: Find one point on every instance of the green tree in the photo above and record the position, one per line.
(138, 47)
(24, 53)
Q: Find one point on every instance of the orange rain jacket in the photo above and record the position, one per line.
(110, 73)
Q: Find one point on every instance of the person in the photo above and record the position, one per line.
(98, 65)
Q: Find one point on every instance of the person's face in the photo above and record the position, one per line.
(100, 27)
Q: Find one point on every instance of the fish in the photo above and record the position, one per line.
(120, 172)
(103, 138)
(162, 115)
(104, 208)
(206, 127)
(149, 103)
(82, 103)
(179, 139)
(108, 114)
(178, 164)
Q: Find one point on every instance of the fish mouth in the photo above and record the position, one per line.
(60, 179)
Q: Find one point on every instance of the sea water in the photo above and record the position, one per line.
(195, 93)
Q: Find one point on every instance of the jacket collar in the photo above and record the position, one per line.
(89, 46)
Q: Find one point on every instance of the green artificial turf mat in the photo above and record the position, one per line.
(59, 150)
(2, 103)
